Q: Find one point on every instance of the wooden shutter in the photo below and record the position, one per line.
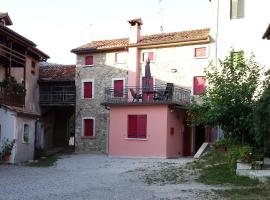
(88, 127)
(89, 60)
(200, 52)
(141, 126)
(198, 85)
(132, 126)
(118, 88)
(88, 89)
(151, 56)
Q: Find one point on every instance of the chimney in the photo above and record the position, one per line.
(134, 30)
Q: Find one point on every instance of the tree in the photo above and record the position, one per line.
(230, 96)
(261, 121)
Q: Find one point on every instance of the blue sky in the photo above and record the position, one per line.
(57, 26)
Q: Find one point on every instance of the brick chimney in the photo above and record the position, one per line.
(5, 19)
(134, 30)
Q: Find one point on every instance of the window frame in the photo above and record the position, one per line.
(85, 61)
(115, 58)
(94, 127)
(148, 51)
(193, 88)
(118, 79)
(82, 88)
(201, 57)
(137, 134)
(232, 17)
(23, 135)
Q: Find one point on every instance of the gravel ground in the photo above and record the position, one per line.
(92, 176)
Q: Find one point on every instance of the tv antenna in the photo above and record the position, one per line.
(160, 12)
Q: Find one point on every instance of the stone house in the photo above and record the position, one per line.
(19, 91)
(107, 71)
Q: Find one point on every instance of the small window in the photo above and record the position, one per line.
(33, 68)
(88, 127)
(26, 133)
(237, 9)
(87, 89)
(120, 57)
(118, 88)
(148, 55)
(198, 85)
(200, 52)
(137, 126)
(89, 60)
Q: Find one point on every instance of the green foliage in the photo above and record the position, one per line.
(225, 142)
(7, 147)
(261, 121)
(12, 87)
(230, 97)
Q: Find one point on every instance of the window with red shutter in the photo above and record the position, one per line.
(137, 125)
(88, 60)
(118, 86)
(200, 52)
(87, 89)
(88, 127)
(148, 55)
(198, 85)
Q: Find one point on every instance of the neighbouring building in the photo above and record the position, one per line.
(19, 96)
(239, 24)
(57, 103)
(142, 113)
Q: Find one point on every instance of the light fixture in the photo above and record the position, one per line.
(173, 70)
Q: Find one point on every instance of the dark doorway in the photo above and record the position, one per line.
(186, 140)
(199, 137)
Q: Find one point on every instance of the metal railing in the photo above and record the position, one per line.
(11, 99)
(156, 94)
(57, 95)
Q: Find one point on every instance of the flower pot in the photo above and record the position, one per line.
(221, 149)
(5, 158)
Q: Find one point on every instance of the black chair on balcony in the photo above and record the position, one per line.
(136, 96)
(168, 93)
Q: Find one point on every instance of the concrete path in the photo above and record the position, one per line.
(94, 177)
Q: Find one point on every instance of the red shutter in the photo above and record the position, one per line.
(87, 90)
(88, 127)
(118, 88)
(142, 125)
(89, 60)
(151, 56)
(200, 52)
(132, 126)
(199, 85)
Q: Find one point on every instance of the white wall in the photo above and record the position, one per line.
(245, 33)
(8, 127)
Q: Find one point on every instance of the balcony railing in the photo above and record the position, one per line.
(57, 95)
(11, 99)
(156, 95)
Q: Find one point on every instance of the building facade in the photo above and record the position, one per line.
(19, 91)
(106, 71)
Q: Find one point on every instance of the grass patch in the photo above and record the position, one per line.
(46, 162)
(214, 169)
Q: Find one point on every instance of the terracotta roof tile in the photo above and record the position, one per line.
(172, 37)
(56, 72)
(20, 110)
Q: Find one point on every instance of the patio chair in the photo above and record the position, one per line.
(136, 96)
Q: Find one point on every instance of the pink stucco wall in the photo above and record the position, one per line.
(158, 143)
(175, 141)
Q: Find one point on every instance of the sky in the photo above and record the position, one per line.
(57, 26)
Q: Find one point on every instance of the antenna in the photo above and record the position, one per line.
(160, 12)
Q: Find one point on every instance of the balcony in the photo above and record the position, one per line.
(10, 98)
(167, 94)
(57, 95)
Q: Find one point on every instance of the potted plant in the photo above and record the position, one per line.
(245, 158)
(7, 149)
(13, 87)
(221, 145)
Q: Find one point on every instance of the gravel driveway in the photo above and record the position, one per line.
(92, 176)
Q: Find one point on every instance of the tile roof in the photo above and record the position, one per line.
(56, 72)
(20, 110)
(163, 38)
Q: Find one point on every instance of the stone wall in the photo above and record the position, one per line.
(102, 73)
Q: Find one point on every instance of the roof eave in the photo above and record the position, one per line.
(96, 50)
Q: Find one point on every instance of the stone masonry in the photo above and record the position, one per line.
(102, 72)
